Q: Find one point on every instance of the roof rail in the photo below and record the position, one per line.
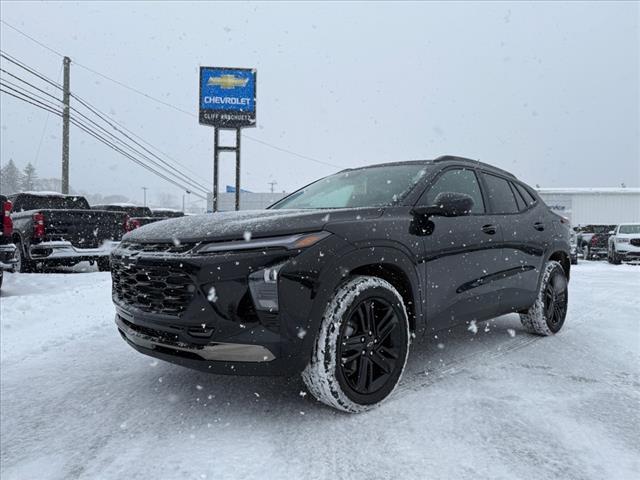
(454, 158)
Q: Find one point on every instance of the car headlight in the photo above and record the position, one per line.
(622, 240)
(289, 242)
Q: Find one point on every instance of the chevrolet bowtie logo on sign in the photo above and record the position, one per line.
(227, 81)
(228, 97)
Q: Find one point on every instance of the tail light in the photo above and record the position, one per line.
(38, 226)
(131, 224)
(7, 223)
(594, 240)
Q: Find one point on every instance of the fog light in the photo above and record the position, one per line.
(264, 288)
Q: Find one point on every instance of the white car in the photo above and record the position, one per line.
(624, 243)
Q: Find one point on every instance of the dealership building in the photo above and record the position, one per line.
(582, 206)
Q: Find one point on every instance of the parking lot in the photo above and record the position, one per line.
(77, 402)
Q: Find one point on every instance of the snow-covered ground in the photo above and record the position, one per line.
(77, 402)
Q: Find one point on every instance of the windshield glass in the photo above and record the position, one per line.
(630, 228)
(366, 187)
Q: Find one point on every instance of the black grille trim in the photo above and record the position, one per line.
(164, 289)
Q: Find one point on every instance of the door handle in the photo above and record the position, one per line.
(539, 226)
(489, 229)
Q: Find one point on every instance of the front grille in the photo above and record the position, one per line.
(635, 242)
(152, 288)
(163, 247)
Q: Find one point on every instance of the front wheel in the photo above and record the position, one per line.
(362, 347)
(546, 316)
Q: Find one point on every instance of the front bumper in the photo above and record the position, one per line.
(628, 252)
(165, 308)
(64, 250)
(7, 257)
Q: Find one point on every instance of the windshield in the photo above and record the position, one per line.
(630, 228)
(366, 187)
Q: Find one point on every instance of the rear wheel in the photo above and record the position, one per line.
(362, 346)
(585, 252)
(23, 264)
(546, 316)
(104, 264)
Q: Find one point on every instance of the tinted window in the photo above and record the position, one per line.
(530, 199)
(500, 194)
(522, 205)
(456, 181)
(364, 187)
(36, 202)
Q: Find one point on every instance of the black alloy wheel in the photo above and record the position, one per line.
(372, 343)
(555, 301)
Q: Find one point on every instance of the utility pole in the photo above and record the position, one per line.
(66, 62)
(272, 183)
(144, 203)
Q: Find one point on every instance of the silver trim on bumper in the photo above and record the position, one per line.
(63, 249)
(225, 352)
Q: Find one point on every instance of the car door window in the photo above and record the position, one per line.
(500, 195)
(459, 180)
(520, 201)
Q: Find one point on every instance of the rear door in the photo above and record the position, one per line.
(461, 255)
(526, 232)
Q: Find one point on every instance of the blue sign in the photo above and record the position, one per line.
(228, 97)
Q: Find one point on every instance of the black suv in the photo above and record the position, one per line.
(335, 279)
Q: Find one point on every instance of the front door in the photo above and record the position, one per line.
(462, 256)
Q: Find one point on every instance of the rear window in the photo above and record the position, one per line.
(526, 194)
(132, 211)
(23, 203)
(500, 194)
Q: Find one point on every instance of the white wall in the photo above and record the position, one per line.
(594, 207)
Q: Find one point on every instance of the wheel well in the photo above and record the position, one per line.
(396, 277)
(563, 259)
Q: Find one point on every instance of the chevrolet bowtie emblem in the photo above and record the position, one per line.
(227, 81)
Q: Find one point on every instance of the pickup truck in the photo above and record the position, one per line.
(53, 229)
(137, 216)
(592, 240)
(7, 248)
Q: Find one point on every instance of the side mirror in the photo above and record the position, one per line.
(612, 232)
(447, 204)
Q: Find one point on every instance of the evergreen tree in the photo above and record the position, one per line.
(29, 177)
(10, 178)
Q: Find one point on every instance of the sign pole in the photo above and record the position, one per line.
(238, 168)
(216, 146)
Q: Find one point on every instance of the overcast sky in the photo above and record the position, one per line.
(549, 91)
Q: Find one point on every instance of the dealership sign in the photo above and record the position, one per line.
(228, 97)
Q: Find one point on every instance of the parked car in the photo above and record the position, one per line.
(136, 215)
(335, 279)
(55, 229)
(164, 213)
(593, 240)
(7, 247)
(624, 243)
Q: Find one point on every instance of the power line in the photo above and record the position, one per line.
(195, 184)
(167, 104)
(34, 101)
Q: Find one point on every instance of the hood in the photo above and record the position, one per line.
(234, 225)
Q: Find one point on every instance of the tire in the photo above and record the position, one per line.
(585, 252)
(615, 258)
(23, 264)
(1, 277)
(547, 315)
(104, 265)
(358, 382)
